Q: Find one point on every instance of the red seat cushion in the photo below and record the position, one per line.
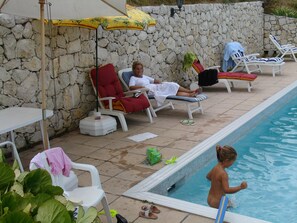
(237, 76)
(109, 86)
(132, 104)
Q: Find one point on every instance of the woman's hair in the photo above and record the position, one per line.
(135, 64)
(225, 153)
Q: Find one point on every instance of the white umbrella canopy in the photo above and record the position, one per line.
(59, 9)
(64, 9)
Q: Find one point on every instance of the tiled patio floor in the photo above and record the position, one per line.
(120, 160)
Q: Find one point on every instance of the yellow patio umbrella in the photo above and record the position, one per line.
(136, 20)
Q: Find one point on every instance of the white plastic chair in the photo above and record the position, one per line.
(89, 196)
(286, 49)
(15, 153)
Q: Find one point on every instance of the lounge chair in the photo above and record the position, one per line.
(227, 78)
(252, 63)
(113, 100)
(192, 103)
(286, 49)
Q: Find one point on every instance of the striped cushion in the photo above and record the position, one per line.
(199, 97)
(254, 59)
(237, 76)
(270, 60)
(294, 49)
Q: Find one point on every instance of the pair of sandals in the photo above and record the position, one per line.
(149, 212)
(187, 122)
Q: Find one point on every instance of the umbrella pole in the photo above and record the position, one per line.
(42, 75)
(96, 58)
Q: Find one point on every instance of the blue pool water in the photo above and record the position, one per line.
(267, 160)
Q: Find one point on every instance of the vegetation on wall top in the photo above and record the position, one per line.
(276, 7)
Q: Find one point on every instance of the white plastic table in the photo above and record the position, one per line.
(18, 117)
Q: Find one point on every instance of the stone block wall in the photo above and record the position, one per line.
(202, 28)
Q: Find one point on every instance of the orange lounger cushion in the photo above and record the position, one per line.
(237, 76)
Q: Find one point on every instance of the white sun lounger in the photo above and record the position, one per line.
(286, 49)
(251, 63)
(192, 103)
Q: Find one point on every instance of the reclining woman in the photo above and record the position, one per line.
(160, 90)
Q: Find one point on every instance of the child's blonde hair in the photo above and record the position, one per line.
(225, 153)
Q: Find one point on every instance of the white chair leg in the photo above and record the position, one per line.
(154, 115)
(171, 105)
(249, 86)
(15, 153)
(200, 108)
(189, 111)
(224, 81)
(280, 69)
(273, 71)
(294, 57)
(149, 115)
(123, 122)
(106, 209)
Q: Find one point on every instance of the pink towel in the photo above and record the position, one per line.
(58, 161)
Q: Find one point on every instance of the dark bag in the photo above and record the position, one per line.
(208, 77)
(121, 219)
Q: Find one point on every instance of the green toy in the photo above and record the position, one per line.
(113, 213)
(153, 156)
(172, 160)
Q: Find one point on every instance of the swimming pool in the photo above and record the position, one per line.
(267, 160)
(155, 188)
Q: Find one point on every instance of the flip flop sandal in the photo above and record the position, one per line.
(148, 214)
(187, 122)
(152, 208)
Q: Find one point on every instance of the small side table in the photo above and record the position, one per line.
(17, 117)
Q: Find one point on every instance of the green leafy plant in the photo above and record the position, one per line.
(30, 197)
(285, 11)
(189, 58)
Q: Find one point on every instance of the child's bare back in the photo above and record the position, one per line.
(219, 178)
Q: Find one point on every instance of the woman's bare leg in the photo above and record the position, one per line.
(187, 94)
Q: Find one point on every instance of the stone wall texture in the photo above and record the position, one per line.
(203, 29)
(283, 28)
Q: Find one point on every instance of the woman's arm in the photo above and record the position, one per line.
(135, 87)
(157, 81)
